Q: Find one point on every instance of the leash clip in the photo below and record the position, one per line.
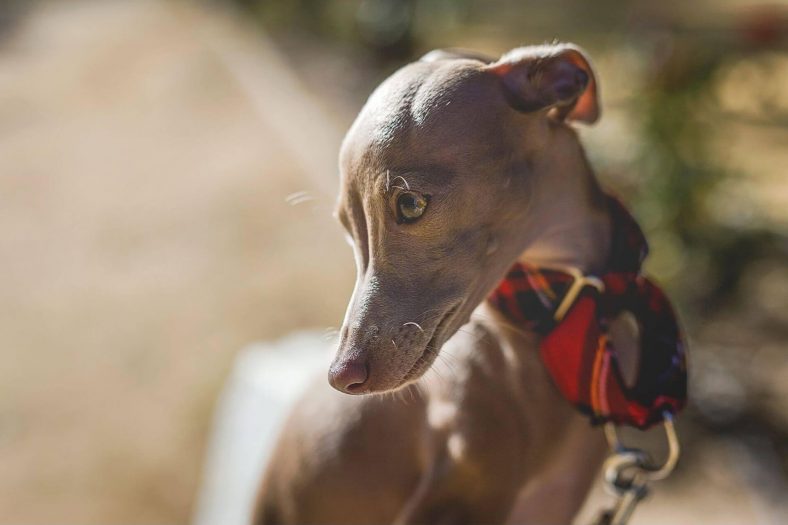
(628, 472)
(653, 472)
(579, 282)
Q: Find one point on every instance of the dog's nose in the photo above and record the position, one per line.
(348, 376)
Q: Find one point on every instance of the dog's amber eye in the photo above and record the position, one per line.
(411, 206)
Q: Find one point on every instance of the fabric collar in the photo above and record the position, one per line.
(573, 313)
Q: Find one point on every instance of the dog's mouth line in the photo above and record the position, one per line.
(430, 348)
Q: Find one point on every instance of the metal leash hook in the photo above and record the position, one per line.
(628, 472)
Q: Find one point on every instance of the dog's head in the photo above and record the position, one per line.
(440, 172)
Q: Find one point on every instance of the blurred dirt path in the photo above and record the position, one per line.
(146, 151)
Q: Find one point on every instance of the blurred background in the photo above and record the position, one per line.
(167, 173)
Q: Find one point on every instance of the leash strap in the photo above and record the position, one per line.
(573, 313)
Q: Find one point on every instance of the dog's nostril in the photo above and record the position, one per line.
(354, 388)
(349, 376)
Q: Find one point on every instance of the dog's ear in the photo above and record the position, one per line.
(558, 76)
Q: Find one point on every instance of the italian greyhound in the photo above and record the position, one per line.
(457, 167)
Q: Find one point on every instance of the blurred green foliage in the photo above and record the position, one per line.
(681, 165)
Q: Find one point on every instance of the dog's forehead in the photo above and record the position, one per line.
(425, 114)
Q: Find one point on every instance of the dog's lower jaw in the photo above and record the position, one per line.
(442, 332)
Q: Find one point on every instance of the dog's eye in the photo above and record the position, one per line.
(411, 206)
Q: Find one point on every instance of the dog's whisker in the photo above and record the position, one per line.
(398, 396)
(330, 333)
(411, 389)
(450, 369)
(299, 197)
(448, 357)
(405, 182)
(475, 334)
(427, 318)
(504, 323)
(433, 372)
(413, 323)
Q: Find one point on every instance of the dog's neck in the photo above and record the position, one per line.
(569, 225)
(568, 214)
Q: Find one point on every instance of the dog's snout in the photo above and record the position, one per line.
(349, 376)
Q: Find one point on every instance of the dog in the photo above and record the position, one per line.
(457, 167)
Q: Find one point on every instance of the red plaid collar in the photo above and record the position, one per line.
(573, 312)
